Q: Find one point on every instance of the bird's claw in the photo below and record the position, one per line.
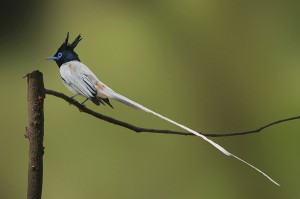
(73, 98)
(82, 103)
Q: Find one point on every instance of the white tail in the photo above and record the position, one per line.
(120, 98)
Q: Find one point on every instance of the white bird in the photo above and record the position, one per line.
(80, 80)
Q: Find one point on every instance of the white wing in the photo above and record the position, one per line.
(79, 79)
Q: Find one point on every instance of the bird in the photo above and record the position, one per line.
(80, 80)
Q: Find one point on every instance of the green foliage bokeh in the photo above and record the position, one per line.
(215, 66)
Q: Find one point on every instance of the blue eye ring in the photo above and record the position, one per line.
(59, 55)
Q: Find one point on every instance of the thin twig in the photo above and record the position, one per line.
(84, 109)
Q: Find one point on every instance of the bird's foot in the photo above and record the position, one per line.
(82, 103)
(73, 98)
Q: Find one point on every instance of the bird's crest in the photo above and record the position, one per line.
(71, 46)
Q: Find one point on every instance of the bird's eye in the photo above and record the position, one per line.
(59, 55)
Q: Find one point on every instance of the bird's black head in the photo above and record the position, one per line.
(66, 53)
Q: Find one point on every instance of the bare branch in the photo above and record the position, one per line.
(84, 109)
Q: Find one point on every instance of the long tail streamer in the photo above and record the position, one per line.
(135, 105)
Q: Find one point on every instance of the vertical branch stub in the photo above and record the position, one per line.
(35, 133)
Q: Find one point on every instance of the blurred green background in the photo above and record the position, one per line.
(215, 66)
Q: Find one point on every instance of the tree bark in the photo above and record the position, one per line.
(35, 133)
